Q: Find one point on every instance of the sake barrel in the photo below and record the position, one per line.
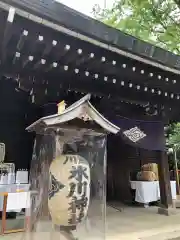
(69, 190)
(153, 167)
(146, 176)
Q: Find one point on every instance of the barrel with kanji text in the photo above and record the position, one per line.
(69, 190)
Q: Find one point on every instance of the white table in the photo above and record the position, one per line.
(14, 202)
(15, 195)
(147, 192)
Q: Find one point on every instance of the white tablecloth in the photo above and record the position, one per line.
(147, 192)
(16, 200)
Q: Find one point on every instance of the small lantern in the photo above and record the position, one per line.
(68, 172)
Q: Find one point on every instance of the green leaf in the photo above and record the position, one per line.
(154, 21)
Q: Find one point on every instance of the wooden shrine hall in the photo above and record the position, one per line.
(50, 52)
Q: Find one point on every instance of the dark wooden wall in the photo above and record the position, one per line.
(16, 113)
(124, 161)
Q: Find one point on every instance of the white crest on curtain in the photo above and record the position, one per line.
(134, 134)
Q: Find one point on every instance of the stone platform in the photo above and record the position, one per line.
(131, 223)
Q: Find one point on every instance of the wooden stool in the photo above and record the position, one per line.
(3, 226)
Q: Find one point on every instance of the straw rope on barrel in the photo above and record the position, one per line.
(146, 176)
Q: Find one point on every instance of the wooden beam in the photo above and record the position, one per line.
(16, 57)
(62, 52)
(51, 67)
(37, 45)
(22, 40)
(7, 32)
(40, 63)
(48, 48)
(74, 55)
(27, 61)
(85, 59)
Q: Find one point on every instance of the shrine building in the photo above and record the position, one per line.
(51, 53)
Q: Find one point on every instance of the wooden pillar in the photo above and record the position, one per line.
(166, 205)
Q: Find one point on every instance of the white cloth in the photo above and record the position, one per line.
(17, 201)
(4, 179)
(147, 192)
(11, 178)
(22, 177)
(12, 190)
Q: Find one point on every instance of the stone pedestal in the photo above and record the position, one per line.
(177, 203)
(167, 211)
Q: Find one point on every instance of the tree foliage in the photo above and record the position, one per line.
(174, 136)
(173, 141)
(154, 21)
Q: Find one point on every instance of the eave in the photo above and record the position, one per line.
(88, 56)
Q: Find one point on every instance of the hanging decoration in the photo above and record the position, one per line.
(134, 134)
(143, 134)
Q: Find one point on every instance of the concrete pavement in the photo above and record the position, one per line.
(132, 223)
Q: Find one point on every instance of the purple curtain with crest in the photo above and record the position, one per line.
(143, 134)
